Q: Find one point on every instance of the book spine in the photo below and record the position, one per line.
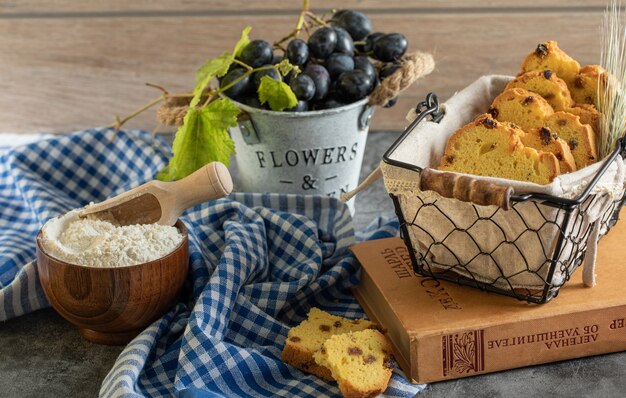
(463, 353)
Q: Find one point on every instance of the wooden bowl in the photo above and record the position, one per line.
(113, 305)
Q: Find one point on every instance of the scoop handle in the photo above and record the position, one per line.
(210, 182)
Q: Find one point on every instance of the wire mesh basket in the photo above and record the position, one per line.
(526, 246)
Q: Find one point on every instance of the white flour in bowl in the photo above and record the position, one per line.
(101, 244)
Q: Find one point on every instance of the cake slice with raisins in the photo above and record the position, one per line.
(588, 114)
(359, 362)
(586, 84)
(487, 147)
(579, 137)
(548, 55)
(306, 338)
(526, 109)
(547, 84)
(543, 139)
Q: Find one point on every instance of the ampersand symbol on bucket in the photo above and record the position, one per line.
(309, 182)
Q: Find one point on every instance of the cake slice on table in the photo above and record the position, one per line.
(307, 338)
(548, 55)
(359, 361)
(547, 84)
(487, 147)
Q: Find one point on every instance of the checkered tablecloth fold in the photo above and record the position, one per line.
(258, 263)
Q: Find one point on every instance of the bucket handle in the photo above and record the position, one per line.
(247, 128)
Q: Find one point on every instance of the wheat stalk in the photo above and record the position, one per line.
(612, 90)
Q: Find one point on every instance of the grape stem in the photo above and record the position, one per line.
(315, 18)
(158, 87)
(299, 25)
(238, 62)
(119, 122)
(211, 95)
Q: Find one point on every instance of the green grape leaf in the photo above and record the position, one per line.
(277, 93)
(243, 42)
(285, 67)
(211, 68)
(203, 138)
(217, 67)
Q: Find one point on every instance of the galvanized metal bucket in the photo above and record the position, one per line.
(318, 152)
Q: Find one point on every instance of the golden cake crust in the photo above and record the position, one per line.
(548, 55)
(579, 137)
(588, 114)
(584, 88)
(489, 148)
(547, 84)
(306, 338)
(359, 361)
(542, 139)
(526, 109)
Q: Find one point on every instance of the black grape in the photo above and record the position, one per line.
(240, 88)
(322, 42)
(361, 62)
(356, 23)
(276, 58)
(354, 85)
(390, 47)
(388, 70)
(290, 75)
(369, 42)
(231, 68)
(328, 103)
(252, 101)
(301, 106)
(391, 102)
(338, 63)
(266, 72)
(320, 77)
(298, 52)
(257, 53)
(338, 13)
(303, 87)
(345, 44)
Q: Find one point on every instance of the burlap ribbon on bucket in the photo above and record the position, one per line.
(412, 66)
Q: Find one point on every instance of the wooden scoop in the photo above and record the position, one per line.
(163, 202)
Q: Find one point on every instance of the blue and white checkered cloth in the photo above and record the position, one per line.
(258, 263)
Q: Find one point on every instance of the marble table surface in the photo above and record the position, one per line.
(41, 355)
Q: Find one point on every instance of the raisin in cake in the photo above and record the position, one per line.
(543, 139)
(359, 362)
(487, 147)
(306, 338)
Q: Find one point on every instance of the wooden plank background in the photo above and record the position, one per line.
(67, 65)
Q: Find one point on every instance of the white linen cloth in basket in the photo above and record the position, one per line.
(507, 249)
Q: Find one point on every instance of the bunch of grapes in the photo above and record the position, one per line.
(335, 63)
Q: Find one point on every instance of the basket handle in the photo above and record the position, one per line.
(465, 188)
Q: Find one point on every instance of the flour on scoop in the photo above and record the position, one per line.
(99, 243)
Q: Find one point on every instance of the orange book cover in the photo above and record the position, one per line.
(440, 330)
